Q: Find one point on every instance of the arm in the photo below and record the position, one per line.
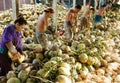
(11, 47)
(76, 18)
(13, 50)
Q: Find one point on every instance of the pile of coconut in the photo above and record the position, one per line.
(92, 57)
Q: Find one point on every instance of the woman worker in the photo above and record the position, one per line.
(11, 41)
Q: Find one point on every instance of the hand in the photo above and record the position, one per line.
(18, 55)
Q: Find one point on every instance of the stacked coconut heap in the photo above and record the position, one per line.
(92, 57)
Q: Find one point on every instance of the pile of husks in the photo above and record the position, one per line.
(92, 57)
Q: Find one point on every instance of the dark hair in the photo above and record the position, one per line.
(91, 8)
(103, 5)
(78, 6)
(20, 19)
(49, 10)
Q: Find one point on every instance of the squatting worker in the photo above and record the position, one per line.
(42, 25)
(11, 41)
(71, 21)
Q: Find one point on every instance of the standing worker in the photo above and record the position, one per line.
(11, 41)
(71, 21)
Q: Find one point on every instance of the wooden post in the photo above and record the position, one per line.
(24, 1)
(46, 1)
(55, 13)
(95, 4)
(15, 7)
(84, 2)
(99, 4)
(4, 4)
(74, 3)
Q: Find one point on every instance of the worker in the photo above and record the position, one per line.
(71, 21)
(86, 18)
(11, 41)
(98, 16)
(42, 26)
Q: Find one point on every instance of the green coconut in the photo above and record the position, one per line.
(43, 73)
(13, 80)
(23, 75)
(83, 58)
(11, 74)
(64, 71)
(30, 80)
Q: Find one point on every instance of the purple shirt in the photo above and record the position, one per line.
(10, 34)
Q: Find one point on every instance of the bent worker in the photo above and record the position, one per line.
(11, 41)
(86, 18)
(98, 16)
(42, 25)
(71, 21)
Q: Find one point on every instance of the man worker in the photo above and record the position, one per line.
(42, 25)
(71, 21)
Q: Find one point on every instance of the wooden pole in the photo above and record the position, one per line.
(95, 4)
(4, 4)
(46, 1)
(99, 4)
(15, 7)
(55, 13)
(74, 3)
(84, 2)
(24, 1)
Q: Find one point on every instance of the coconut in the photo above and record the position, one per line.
(24, 66)
(13, 80)
(87, 42)
(11, 74)
(38, 48)
(83, 58)
(56, 59)
(75, 43)
(78, 66)
(65, 48)
(81, 46)
(63, 79)
(97, 63)
(90, 60)
(39, 56)
(75, 30)
(23, 75)
(104, 63)
(30, 80)
(84, 71)
(71, 60)
(66, 65)
(21, 59)
(100, 71)
(3, 80)
(50, 64)
(36, 62)
(64, 71)
(59, 52)
(90, 68)
(44, 73)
